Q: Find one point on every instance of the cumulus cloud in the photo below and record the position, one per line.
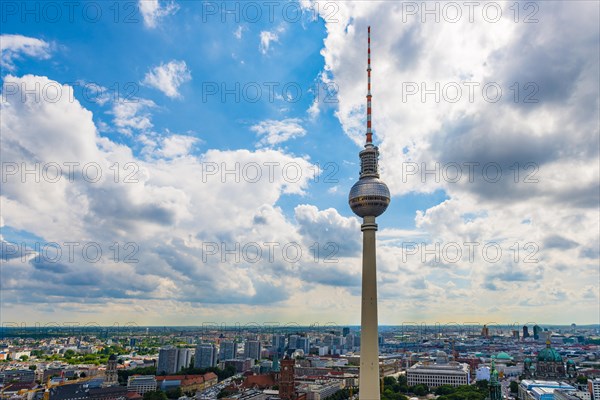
(14, 47)
(130, 115)
(273, 132)
(168, 77)
(155, 10)
(163, 211)
(547, 172)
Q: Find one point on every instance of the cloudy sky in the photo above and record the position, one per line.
(171, 162)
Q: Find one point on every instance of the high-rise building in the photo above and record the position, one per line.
(345, 332)
(525, 332)
(292, 342)
(536, 332)
(369, 198)
(278, 343)
(206, 355)
(184, 358)
(172, 359)
(485, 331)
(167, 360)
(252, 349)
(303, 343)
(227, 350)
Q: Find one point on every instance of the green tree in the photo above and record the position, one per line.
(514, 387)
(389, 381)
(483, 384)
(155, 395)
(69, 354)
(444, 389)
(582, 379)
(24, 357)
(174, 393)
(420, 390)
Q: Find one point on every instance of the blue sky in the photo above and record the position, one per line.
(148, 80)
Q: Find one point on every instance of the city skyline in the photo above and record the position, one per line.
(225, 144)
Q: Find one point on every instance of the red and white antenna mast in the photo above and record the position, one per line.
(369, 132)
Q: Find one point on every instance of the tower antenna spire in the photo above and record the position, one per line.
(369, 132)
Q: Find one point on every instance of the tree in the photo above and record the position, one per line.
(514, 387)
(69, 354)
(389, 381)
(24, 357)
(420, 390)
(174, 393)
(222, 393)
(582, 379)
(444, 389)
(483, 384)
(155, 395)
(33, 367)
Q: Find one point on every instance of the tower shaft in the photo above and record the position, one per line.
(369, 344)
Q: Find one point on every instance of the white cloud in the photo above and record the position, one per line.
(553, 135)
(274, 132)
(168, 77)
(171, 208)
(239, 32)
(266, 37)
(152, 11)
(167, 146)
(132, 115)
(13, 47)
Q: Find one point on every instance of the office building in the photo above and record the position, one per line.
(141, 384)
(594, 388)
(206, 356)
(252, 349)
(278, 343)
(227, 350)
(541, 390)
(435, 375)
(172, 359)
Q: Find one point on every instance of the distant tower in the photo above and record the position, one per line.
(536, 332)
(369, 198)
(525, 332)
(485, 331)
(495, 388)
(111, 370)
(287, 389)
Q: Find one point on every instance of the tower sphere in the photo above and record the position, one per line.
(369, 197)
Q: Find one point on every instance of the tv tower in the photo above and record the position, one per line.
(369, 198)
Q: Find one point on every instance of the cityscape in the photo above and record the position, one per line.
(300, 200)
